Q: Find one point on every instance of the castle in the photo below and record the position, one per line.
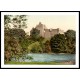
(47, 33)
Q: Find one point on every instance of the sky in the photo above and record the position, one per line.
(63, 22)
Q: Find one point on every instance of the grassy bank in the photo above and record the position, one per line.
(38, 63)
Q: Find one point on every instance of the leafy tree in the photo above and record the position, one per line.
(7, 20)
(63, 43)
(35, 47)
(40, 39)
(12, 40)
(19, 21)
(47, 47)
(70, 34)
(57, 43)
(19, 33)
(12, 47)
(35, 34)
(70, 37)
(14, 36)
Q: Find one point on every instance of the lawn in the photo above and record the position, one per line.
(34, 63)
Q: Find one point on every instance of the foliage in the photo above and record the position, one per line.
(12, 47)
(29, 57)
(57, 43)
(63, 43)
(70, 40)
(35, 34)
(7, 20)
(19, 33)
(12, 38)
(47, 47)
(35, 48)
(19, 21)
(70, 34)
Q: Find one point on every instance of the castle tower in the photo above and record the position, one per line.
(41, 27)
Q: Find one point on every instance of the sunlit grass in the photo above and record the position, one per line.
(33, 63)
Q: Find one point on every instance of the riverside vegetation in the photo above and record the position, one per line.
(17, 42)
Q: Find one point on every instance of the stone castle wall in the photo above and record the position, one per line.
(47, 33)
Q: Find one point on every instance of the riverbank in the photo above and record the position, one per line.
(41, 63)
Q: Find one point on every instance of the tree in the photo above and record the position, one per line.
(63, 42)
(36, 48)
(35, 34)
(19, 21)
(7, 20)
(57, 43)
(47, 47)
(14, 36)
(12, 47)
(70, 34)
(70, 37)
(19, 33)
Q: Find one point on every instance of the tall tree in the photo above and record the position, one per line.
(19, 21)
(64, 43)
(35, 34)
(14, 36)
(70, 34)
(7, 20)
(57, 43)
(71, 40)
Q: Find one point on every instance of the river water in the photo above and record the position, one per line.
(47, 57)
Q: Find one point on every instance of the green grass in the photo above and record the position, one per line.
(33, 63)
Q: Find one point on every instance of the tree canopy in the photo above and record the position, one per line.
(63, 43)
(35, 34)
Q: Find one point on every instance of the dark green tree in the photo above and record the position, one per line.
(57, 43)
(13, 37)
(64, 43)
(71, 40)
(70, 34)
(35, 34)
